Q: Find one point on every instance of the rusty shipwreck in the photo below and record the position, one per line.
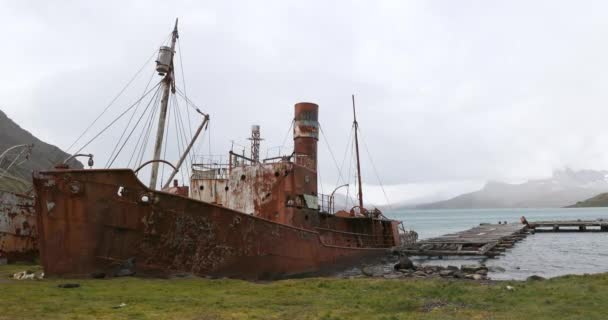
(18, 239)
(246, 218)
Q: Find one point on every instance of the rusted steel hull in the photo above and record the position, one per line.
(86, 226)
(17, 227)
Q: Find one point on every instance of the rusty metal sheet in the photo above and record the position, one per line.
(86, 227)
(17, 227)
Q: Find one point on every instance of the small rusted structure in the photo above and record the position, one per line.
(17, 227)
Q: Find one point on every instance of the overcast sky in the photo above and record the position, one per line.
(449, 93)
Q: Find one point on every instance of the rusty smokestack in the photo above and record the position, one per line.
(306, 133)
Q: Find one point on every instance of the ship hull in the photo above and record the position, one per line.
(94, 221)
(17, 227)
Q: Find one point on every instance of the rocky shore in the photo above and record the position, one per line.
(402, 267)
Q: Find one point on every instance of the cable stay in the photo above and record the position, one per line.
(158, 109)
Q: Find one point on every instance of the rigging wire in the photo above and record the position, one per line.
(132, 130)
(350, 167)
(165, 146)
(179, 138)
(375, 171)
(112, 102)
(348, 147)
(332, 155)
(179, 49)
(108, 164)
(116, 119)
(143, 132)
(188, 101)
(180, 125)
(148, 133)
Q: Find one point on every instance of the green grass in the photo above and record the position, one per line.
(570, 297)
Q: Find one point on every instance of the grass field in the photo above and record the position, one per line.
(570, 297)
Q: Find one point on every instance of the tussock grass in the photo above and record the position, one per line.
(570, 297)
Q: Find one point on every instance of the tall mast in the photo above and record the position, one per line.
(356, 125)
(166, 83)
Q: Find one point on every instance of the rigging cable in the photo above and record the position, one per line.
(116, 119)
(332, 155)
(130, 133)
(165, 146)
(178, 138)
(375, 171)
(143, 132)
(180, 124)
(108, 164)
(179, 49)
(112, 102)
(148, 133)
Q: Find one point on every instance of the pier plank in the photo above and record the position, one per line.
(477, 241)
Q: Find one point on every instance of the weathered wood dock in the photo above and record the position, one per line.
(490, 240)
(484, 240)
(599, 225)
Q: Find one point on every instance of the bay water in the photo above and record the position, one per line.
(544, 254)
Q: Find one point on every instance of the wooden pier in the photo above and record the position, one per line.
(490, 240)
(599, 225)
(484, 240)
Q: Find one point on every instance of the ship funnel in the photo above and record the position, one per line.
(306, 134)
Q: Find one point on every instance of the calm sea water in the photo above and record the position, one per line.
(544, 254)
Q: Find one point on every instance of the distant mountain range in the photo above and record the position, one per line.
(564, 188)
(43, 156)
(600, 200)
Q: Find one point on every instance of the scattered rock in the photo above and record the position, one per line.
(392, 276)
(472, 268)
(459, 274)
(122, 305)
(404, 263)
(428, 270)
(446, 273)
(478, 277)
(69, 285)
(496, 269)
(372, 271)
(419, 274)
(509, 288)
(453, 268)
(535, 278)
(482, 272)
